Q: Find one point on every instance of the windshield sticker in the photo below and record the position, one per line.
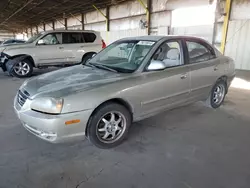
(146, 43)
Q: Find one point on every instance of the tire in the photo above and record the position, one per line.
(27, 69)
(213, 101)
(86, 58)
(101, 128)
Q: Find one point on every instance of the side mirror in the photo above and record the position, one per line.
(41, 42)
(156, 65)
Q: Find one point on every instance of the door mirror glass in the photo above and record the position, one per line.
(41, 42)
(156, 65)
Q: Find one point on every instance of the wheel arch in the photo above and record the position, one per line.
(86, 54)
(113, 100)
(29, 57)
(223, 78)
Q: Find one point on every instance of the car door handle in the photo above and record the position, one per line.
(81, 46)
(61, 47)
(184, 76)
(215, 68)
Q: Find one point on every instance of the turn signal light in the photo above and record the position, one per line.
(72, 121)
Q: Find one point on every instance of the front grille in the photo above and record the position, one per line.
(22, 97)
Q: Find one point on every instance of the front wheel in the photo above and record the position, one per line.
(23, 69)
(109, 125)
(217, 94)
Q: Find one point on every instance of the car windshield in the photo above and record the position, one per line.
(32, 39)
(122, 56)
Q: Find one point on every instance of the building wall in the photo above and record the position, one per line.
(238, 37)
(74, 22)
(125, 18)
(4, 35)
(59, 24)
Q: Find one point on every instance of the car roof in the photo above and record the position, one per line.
(69, 31)
(158, 38)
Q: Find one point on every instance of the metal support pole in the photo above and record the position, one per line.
(82, 21)
(31, 30)
(225, 25)
(53, 25)
(27, 32)
(105, 16)
(149, 5)
(44, 28)
(66, 23)
(148, 15)
(107, 19)
(37, 29)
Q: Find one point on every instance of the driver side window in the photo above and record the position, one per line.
(50, 39)
(169, 53)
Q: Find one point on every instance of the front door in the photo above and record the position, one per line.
(49, 50)
(168, 88)
(204, 68)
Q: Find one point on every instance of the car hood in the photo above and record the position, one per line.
(68, 81)
(7, 47)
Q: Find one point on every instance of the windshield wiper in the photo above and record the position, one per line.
(101, 66)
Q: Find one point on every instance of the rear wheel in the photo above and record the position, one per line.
(23, 69)
(217, 94)
(87, 57)
(109, 125)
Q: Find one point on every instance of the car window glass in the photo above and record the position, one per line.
(123, 56)
(89, 37)
(198, 52)
(72, 38)
(169, 53)
(50, 39)
(8, 42)
(122, 51)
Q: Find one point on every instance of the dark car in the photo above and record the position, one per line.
(12, 41)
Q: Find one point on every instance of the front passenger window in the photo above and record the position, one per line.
(169, 53)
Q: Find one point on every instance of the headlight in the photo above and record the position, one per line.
(47, 105)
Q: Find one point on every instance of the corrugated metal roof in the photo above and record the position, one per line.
(238, 43)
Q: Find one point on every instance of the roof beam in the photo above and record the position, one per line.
(18, 10)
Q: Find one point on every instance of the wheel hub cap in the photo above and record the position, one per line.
(218, 94)
(21, 68)
(111, 127)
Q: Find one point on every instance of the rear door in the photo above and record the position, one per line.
(76, 44)
(204, 68)
(73, 46)
(168, 88)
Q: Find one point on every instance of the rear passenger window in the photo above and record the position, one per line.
(72, 38)
(199, 52)
(89, 37)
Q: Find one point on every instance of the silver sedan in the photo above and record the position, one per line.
(132, 79)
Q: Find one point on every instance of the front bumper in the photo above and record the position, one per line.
(52, 128)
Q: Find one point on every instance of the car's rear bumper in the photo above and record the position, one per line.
(53, 128)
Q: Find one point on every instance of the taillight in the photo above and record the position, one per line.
(103, 44)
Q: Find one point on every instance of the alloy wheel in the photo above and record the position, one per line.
(111, 127)
(219, 93)
(22, 68)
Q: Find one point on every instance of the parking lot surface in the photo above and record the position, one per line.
(189, 147)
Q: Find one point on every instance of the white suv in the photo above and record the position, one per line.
(50, 48)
